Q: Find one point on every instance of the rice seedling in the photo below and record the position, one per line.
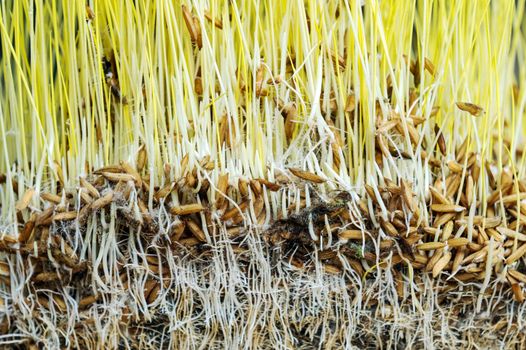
(243, 174)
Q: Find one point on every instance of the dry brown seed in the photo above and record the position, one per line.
(443, 218)
(243, 187)
(196, 230)
(437, 196)
(420, 258)
(407, 194)
(447, 208)
(89, 187)
(413, 238)
(495, 195)
(431, 230)
(459, 257)
(256, 188)
(413, 134)
(429, 66)
(448, 229)
(333, 269)
(457, 242)
(433, 260)
(517, 275)
(474, 246)
(441, 264)
(461, 151)
(269, 185)
(25, 200)
(217, 22)
(85, 197)
(477, 256)
(60, 174)
(49, 197)
(60, 302)
(65, 216)
(513, 198)
(46, 277)
(177, 230)
(453, 185)
(233, 232)
(389, 228)
(469, 190)
(430, 245)
(114, 169)
(229, 214)
(471, 108)
(511, 233)
(441, 141)
(131, 171)
(383, 147)
(89, 13)
(260, 74)
(25, 234)
(493, 233)
(141, 158)
(114, 177)
(352, 234)
(102, 201)
(385, 126)
(454, 167)
(195, 31)
(516, 255)
(222, 188)
(4, 269)
(165, 191)
(306, 175)
(290, 115)
(518, 295)
(190, 180)
(87, 301)
(152, 296)
(187, 209)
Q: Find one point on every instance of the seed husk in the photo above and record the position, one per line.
(471, 108)
(25, 200)
(131, 171)
(511, 233)
(187, 209)
(306, 175)
(89, 187)
(352, 234)
(518, 295)
(117, 177)
(164, 192)
(519, 276)
(441, 264)
(447, 208)
(270, 185)
(430, 245)
(65, 216)
(196, 230)
(234, 211)
(222, 186)
(516, 255)
(49, 197)
(193, 27)
(457, 242)
(217, 22)
(87, 301)
(102, 201)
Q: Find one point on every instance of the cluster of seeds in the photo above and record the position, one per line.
(443, 234)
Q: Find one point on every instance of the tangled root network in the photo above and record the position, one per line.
(262, 175)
